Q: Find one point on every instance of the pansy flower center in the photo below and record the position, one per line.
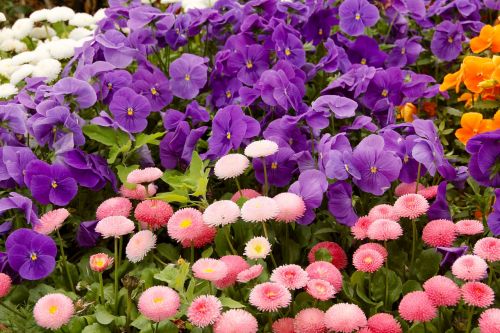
(363, 61)
(154, 91)
(450, 40)
(33, 256)
(320, 32)
(110, 86)
(130, 111)
(385, 93)
(228, 94)
(228, 135)
(357, 17)
(373, 169)
(249, 64)
(406, 158)
(346, 167)
(185, 223)
(403, 50)
(187, 77)
(287, 52)
(54, 184)
(274, 165)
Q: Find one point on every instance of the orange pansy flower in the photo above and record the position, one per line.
(477, 70)
(488, 37)
(407, 111)
(472, 124)
(452, 80)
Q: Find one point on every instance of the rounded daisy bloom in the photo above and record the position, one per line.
(429, 192)
(114, 226)
(325, 271)
(117, 206)
(470, 268)
(51, 221)
(383, 212)
(439, 233)
(360, 229)
(367, 260)
(384, 229)
(269, 296)
(310, 320)
(259, 209)
(158, 303)
(153, 213)
(442, 291)
(139, 245)
(320, 289)
(291, 276)
(384, 323)
(477, 294)
(186, 224)
(235, 265)
(5, 284)
(283, 325)
(231, 166)
(261, 148)
(489, 321)
(236, 321)
(146, 175)
(469, 227)
(247, 194)
(221, 213)
(407, 188)
(209, 269)
(345, 318)
(204, 310)
(100, 262)
(375, 246)
(291, 207)
(206, 236)
(250, 273)
(338, 255)
(140, 192)
(53, 311)
(417, 306)
(257, 248)
(411, 206)
(488, 248)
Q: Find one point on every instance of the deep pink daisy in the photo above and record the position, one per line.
(469, 227)
(320, 289)
(417, 306)
(291, 276)
(310, 320)
(470, 268)
(269, 296)
(407, 188)
(206, 236)
(345, 318)
(114, 207)
(5, 284)
(140, 192)
(154, 213)
(442, 291)
(339, 257)
(383, 211)
(250, 273)
(325, 271)
(360, 228)
(291, 207)
(235, 265)
(236, 321)
(384, 229)
(477, 294)
(411, 206)
(488, 248)
(384, 323)
(439, 233)
(204, 310)
(429, 192)
(51, 221)
(489, 321)
(283, 325)
(146, 175)
(367, 260)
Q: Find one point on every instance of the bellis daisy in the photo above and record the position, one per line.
(114, 207)
(153, 213)
(261, 148)
(5, 284)
(114, 226)
(469, 267)
(489, 321)
(291, 207)
(269, 296)
(186, 224)
(139, 245)
(290, 276)
(442, 291)
(250, 273)
(100, 262)
(477, 294)
(469, 227)
(140, 192)
(367, 260)
(375, 246)
(384, 229)
(236, 321)
(411, 206)
(247, 194)
(221, 213)
(407, 188)
(439, 233)
(384, 323)
(310, 320)
(204, 310)
(325, 271)
(146, 175)
(338, 255)
(429, 192)
(283, 325)
(320, 289)
(231, 166)
(235, 265)
(209, 269)
(259, 209)
(158, 303)
(51, 221)
(360, 229)
(383, 211)
(53, 311)
(417, 306)
(488, 248)
(345, 318)
(257, 248)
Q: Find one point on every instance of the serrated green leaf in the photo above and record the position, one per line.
(486, 105)
(174, 196)
(231, 303)
(106, 135)
(144, 139)
(123, 172)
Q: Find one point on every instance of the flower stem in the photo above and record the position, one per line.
(63, 260)
(129, 310)
(266, 184)
(117, 265)
(227, 232)
(264, 228)
(418, 176)
(470, 314)
(101, 289)
(386, 299)
(413, 243)
(12, 310)
(238, 186)
(192, 254)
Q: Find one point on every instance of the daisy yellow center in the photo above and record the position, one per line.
(320, 288)
(154, 91)
(385, 93)
(403, 50)
(53, 309)
(54, 184)
(450, 40)
(320, 32)
(99, 263)
(287, 52)
(208, 270)
(187, 77)
(373, 169)
(368, 260)
(158, 300)
(228, 135)
(249, 64)
(258, 248)
(363, 61)
(270, 294)
(130, 111)
(274, 165)
(357, 17)
(33, 256)
(228, 94)
(185, 223)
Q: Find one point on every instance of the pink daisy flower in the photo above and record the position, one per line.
(210, 269)
(250, 273)
(407, 188)
(259, 209)
(269, 296)
(139, 245)
(247, 194)
(470, 267)
(325, 271)
(429, 192)
(114, 226)
(236, 321)
(489, 321)
(5, 284)
(360, 228)
(310, 320)
(411, 206)
(469, 227)
(186, 224)
(477, 294)
(114, 207)
(221, 213)
(140, 192)
(257, 248)
(384, 229)
(146, 175)
(235, 265)
(345, 318)
(206, 236)
(158, 303)
(383, 212)
(53, 311)
(100, 262)
(291, 207)
(439, 233)
(283, 325)
(204, 310)
(375, 246)
(231, 166)
(291, 276)
(367, 260)
(261, 148)
(338, 255)
(154, 213)
(417, 306)
(488, 248)
(51, 221)
(442, 291)
(320, 289)
(384, 323)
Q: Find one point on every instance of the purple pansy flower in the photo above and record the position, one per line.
(356, 15)
(112, 81)
(17, 201)
(6, 269)
(340, 203)
(86, 236)
(318, 27)
(248, 61)
(447, 41)
(188, 75)
(439, 209)
(384, 90)
(485, 158)
(405, 52)
(15, 160)
(327, 106)
(494, 217)
(13, 117)
(311, 186)
(177, 146)
(130, 110)
(69, 87)
(403, 147)
(279, 167)
(365, 51)
(288, 131)
(116, 48)
(153, 85)
(288, 46)
(451, 254)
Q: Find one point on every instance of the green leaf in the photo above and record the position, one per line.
(144, 139)
(207, 253)
(96, 328)
(103, 316)
(486, 105)
(453, 112)
(168, 274)
(123, 172)
(140, 322)
(411, 285)
(231, 303)
(378, 285)
(106, 135)
(174, 196)
(323, 255)
(168, 251)
(181, 277)
(417, 328)
(427, 264)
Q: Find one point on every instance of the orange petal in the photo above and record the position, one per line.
(471, 120)
(483, 41)
(463, 135)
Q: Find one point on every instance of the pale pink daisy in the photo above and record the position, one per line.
(139, 192)
(417, 306)
(154, 213)
(488, 248)
(259, 209)
(383, 211)
(345, 318)
(100, 262)
(236, 321)
(186, 224)
(5, 284)
(291, 276)
(114, 226)
(470, 268)
(231, 166)
(51, 221)
(367, 260)
(320, 289)
(384, 229)
(489, 321)
(261, 148)
(250, 273)
(114, 207)
(375, 246)
(469, 227)
(384, 323)
(442, 291)
(257, 248)
(247, 194)
(204, 310)
(429, 192)
(269, 296)
(439, 233)
(221, 213)
(158, 303)
(53, 311)
(477, 294)
(360, 228)
(325, 271)
(291, 207)
(151, 189)
(210, 269)
(407, 188)
(337, 254)
(139, 245)
(310, 320)
(146, 175)
(411, 206)
(235, 265)
(283, 325)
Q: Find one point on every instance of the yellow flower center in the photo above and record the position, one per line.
(320, 288)
(450, 40)
(187, 77)
(99, 263)
(368, 260)
(406, 158)
(357, 17)
(33, 256)
(373, 169)
(53, 309)
(130, 111)
(385, 93)
(208, 270)
(363, 61)
(228, 135)
(185, 223)
(154, 91)
(158, 300)
(274, 165)
(258, 248)
(249, 64)
(228, 94)
(54, 184)
(320, 32)
(287, 52)
(270, 294)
